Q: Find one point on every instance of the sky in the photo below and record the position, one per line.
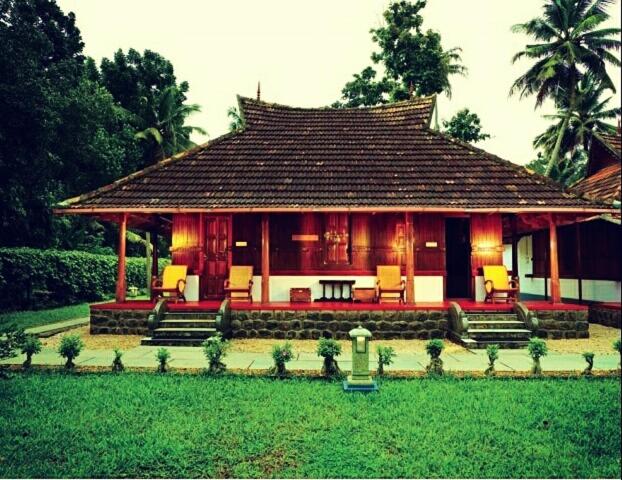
(303, 52)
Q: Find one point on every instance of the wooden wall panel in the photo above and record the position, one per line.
(361, 241)
(246, 242)
(185, 244)
(486, 240)
(429, 229)
(600, 251)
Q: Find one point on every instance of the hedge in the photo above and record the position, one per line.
(32, 278)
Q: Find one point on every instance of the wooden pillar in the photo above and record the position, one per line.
(578, 260)
(410, 258)
(265, 258)
(121, 286)
(155, 272)
(514, 248)
(555, 287)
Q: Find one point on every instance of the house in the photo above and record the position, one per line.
(589, 250)
(316, 194)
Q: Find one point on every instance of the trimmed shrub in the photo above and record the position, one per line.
(117, 363)
(215, 349)
(32, 278)
(385, 357)
(281, 354)
(493, 354)
(617, 346)
(163, 356)
(31, 346)
(69, 348)
(434, 348)
(329, 348)
(589, 358)
(537, 348)
(10, 341)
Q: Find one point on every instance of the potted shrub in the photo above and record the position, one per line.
(215, 349)
(281, 354)
(69, 348)
(385, 357)
(30, 347)
(434, 348)
(537, 349)
(163, 356)
(493, 354)
(329, 348)
(117, 363)
(589, 358)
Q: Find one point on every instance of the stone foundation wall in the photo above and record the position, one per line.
(407, 325)
(607, 316)
(119, 322)
(558, 324)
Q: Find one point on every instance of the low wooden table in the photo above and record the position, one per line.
(364, 295)
(334, 284)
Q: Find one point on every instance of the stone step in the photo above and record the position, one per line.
(498, 317)
(210, 315)
(172, 342)
(482, 344)
(494, 334)
(187, 323)
(178, 332)
(496, 324)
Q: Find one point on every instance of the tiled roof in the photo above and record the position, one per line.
(604, 185)
(614, 142)
(295, 158)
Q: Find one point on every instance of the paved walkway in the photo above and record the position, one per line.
(58, 327)
(192, 357)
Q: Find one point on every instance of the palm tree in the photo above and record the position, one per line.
(589, 117)
(236, 122)
(570, 45)
(451, 60)
(168, 131)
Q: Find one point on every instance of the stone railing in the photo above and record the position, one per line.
(156, 315)
(223, 318)
(458, 321)
(527, 317)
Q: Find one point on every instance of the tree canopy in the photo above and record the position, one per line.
(571, 44)
(413, 60)
(466, 126)
(66, 127)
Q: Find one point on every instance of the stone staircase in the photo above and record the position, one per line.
(183, 329)
(501, 328)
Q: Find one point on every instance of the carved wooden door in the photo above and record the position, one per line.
(217, 255)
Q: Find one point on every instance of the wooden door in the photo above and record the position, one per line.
(217, 255)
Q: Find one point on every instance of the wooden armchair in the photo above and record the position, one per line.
(497, 285)
(172, 284)
(389, 283)
(240, 283)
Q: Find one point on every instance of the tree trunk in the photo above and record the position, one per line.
(554, 158)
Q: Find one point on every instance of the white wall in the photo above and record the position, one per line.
(427, 288)
(594, 290)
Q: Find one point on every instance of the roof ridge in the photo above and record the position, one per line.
(141, 173)
(410, 102)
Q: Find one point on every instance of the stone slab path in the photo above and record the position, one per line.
(192, 357)
(58, 327)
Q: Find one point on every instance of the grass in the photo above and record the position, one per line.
(35, 318)
(147, 425)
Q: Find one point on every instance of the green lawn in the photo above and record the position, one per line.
(147, 425)
(35, 318)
